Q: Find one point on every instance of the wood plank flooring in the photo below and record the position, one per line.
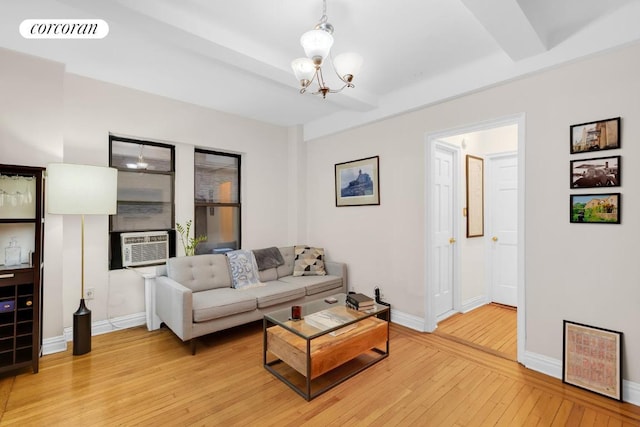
(491, 328)
(136, 377)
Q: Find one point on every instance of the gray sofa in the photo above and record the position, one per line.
(194, 296)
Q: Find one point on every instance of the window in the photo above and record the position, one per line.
(217, 201)
(145, 190)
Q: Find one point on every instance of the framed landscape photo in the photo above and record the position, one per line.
(600, 172)
(591, 359)
(595, 208)
(595, 136)
(475, 196)
(358, 182)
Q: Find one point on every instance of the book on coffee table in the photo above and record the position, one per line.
(327, 319)
(359, 302)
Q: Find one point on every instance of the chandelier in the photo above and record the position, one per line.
(140, 164)
(317, 46)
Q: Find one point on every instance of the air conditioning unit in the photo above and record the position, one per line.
(144, 248)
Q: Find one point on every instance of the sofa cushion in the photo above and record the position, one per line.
(286, 269)
(315, 284)
(268, 275)
(200, 272)
(308, 261)
(276, 292)
(222, 302)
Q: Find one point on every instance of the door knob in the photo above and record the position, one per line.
(452, 240)
(494, 238)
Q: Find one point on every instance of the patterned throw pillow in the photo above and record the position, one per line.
(244, 271)
(308, 261)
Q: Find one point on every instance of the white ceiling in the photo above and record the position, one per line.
(235, 56)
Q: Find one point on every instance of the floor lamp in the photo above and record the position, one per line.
(81, 190)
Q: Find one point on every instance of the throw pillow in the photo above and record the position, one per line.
(244, 271)
(308, 261)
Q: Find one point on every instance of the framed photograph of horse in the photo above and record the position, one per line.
(592, 173)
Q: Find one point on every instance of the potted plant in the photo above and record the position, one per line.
(189, 243)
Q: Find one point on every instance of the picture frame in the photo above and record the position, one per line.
(592, 359)
(475, 196)
(601, 208)
(357, 182)
(595, 172)
(595, 136)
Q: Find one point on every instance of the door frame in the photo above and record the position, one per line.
(431, 138)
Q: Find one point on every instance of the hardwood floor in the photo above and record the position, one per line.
(136, 377)
(491, 328)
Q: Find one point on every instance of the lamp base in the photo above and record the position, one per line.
(82, 330)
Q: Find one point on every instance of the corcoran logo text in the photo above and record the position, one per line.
(64, 29)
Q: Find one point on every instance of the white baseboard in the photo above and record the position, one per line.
(59, 343)
(408, 320)
(474, 303)
(54, 345)
(553, 368)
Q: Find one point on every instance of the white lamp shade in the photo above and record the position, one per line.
(316, 43)
(303, 68)
(347, 63)
(81, 189)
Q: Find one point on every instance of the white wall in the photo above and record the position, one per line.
(94, 109)
(48, 115)
(31, 135)
(596, 284)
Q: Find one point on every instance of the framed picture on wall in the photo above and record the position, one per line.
(595, 208)
(475, 196)
(600, 172)
(595, 136)
(358, 182)
(592, 359)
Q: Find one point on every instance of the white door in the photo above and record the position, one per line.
(443, 192)
(504, 229)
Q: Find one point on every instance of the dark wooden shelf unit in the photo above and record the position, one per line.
(21, 285)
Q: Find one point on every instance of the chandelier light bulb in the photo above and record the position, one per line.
(303, 68)
(347, 65)
(316, 44)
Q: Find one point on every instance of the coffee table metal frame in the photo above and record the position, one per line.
(282, 319)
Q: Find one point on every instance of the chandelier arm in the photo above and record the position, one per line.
(321, 83)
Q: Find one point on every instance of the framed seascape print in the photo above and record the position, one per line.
(595, 136)
(358, 182)
(595, 208)
(600, 172)
(592, 359)
(475, 196)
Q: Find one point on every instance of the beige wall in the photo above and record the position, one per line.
(49, 115)
(584, 273)
(31, 99)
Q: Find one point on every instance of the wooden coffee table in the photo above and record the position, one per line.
(312, 360)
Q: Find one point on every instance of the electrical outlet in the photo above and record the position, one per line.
(89, 293)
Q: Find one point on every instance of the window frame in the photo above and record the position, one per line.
(197, 204)
(115, 261)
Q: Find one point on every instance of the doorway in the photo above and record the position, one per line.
(463, 273)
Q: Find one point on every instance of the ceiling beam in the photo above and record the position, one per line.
(509, 26)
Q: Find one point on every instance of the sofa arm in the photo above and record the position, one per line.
(174, 306)
(337, 269)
